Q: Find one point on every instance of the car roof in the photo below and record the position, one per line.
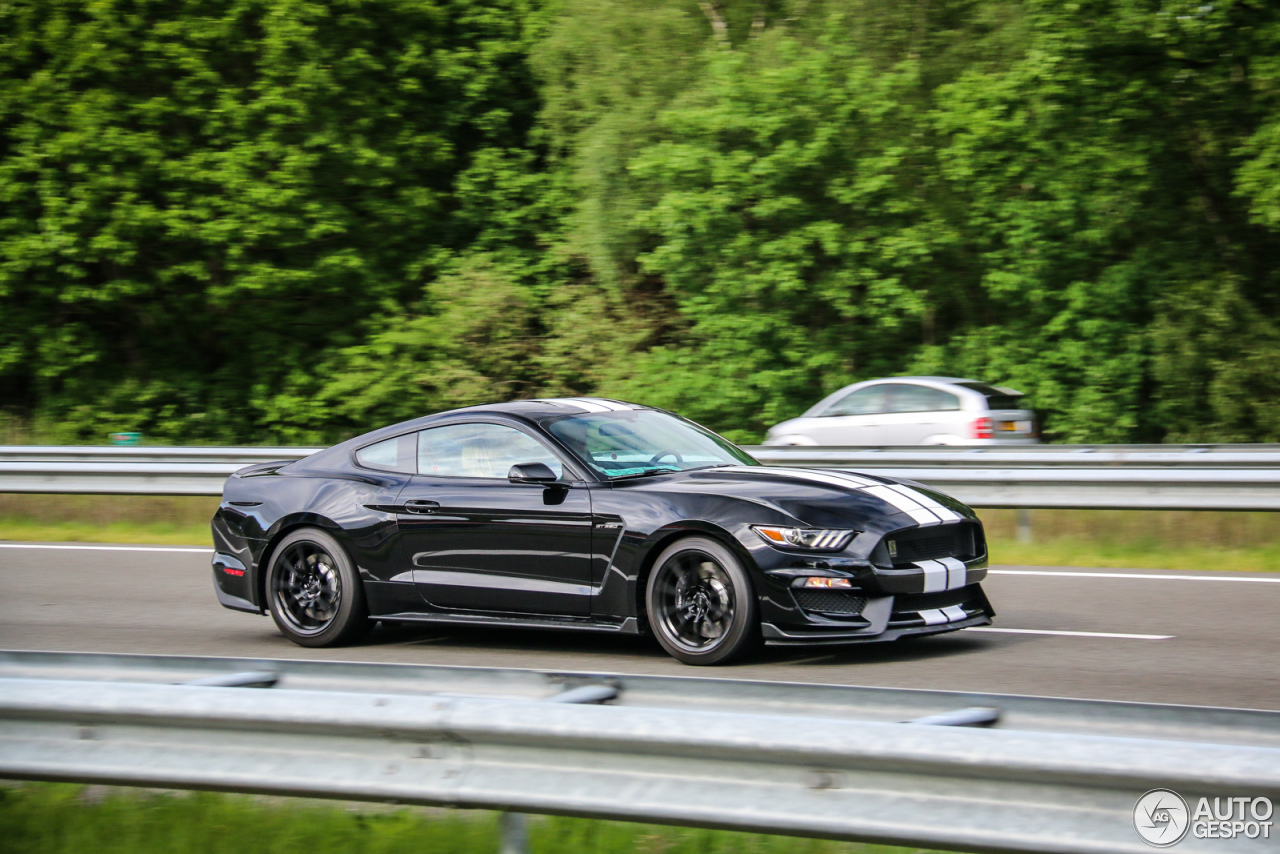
(533, 410)
(917, 379)
(922, 380)
(539, 408)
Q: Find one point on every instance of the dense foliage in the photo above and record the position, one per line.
(294, 220)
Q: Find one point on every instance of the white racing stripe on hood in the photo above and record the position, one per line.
(929, 504)
(906, 504)
(846, 476)
(905, 500)
(914, 495)
(822, 477)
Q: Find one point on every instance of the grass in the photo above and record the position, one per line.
(1134, 556)
(1139, 539)
(1135, 539)
(72, 819)
(150, 519)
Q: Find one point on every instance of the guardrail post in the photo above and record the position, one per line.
(515, 833)
(514, 825)
(1024, 525)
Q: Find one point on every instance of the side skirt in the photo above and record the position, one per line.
(628, 626)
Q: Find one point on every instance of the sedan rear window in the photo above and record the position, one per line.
(996, 399)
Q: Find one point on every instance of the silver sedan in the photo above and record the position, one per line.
(913, 411)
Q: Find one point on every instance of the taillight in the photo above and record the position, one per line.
(982, 429)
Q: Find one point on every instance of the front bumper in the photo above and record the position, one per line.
(901, 580)
(861, 618)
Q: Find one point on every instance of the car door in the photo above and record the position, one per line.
(475, 541)
(852, 420)
(914, 413)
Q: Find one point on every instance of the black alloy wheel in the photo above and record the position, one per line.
(700, 603)
(313, 591)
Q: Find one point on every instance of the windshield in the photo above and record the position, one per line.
(642, 441)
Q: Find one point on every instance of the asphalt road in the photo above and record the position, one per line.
(1156, 636)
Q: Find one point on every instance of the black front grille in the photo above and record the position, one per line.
(931, 601)
(962, 540)
(907, 607)
(829, 601)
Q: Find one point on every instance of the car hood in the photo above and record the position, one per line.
(824, 497)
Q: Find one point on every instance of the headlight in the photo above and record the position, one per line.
(805, 538)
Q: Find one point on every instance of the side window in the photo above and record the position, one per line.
(479, 450)
(865, 401)
(389, 455)
(919, 398)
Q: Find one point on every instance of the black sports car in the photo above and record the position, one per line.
(592, 514)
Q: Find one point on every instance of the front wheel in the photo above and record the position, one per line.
(313, 591)
(700, 603)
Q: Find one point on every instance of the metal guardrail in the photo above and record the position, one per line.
(129, 470)
(886, 705)
(1193, 477)
(788, 770)
(1147, 477)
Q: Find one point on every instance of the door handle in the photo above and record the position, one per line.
(421, 505)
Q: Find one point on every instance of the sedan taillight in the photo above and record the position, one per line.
(982, 429)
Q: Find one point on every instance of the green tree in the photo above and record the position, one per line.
(202, 198)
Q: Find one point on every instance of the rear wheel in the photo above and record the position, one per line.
(700, 603)
(314, 592)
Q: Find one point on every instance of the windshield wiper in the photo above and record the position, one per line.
(649, 473)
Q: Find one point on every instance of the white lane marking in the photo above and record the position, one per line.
(1120, 635)
(812, 660)
(1275, 580)
(105, 548)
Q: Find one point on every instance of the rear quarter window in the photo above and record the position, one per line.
(398, 454)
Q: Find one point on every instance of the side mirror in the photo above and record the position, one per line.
(531, 473)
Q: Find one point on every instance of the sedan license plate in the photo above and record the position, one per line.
(1016, 426)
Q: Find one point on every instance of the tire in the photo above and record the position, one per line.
(313, 591)
(700, 603)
